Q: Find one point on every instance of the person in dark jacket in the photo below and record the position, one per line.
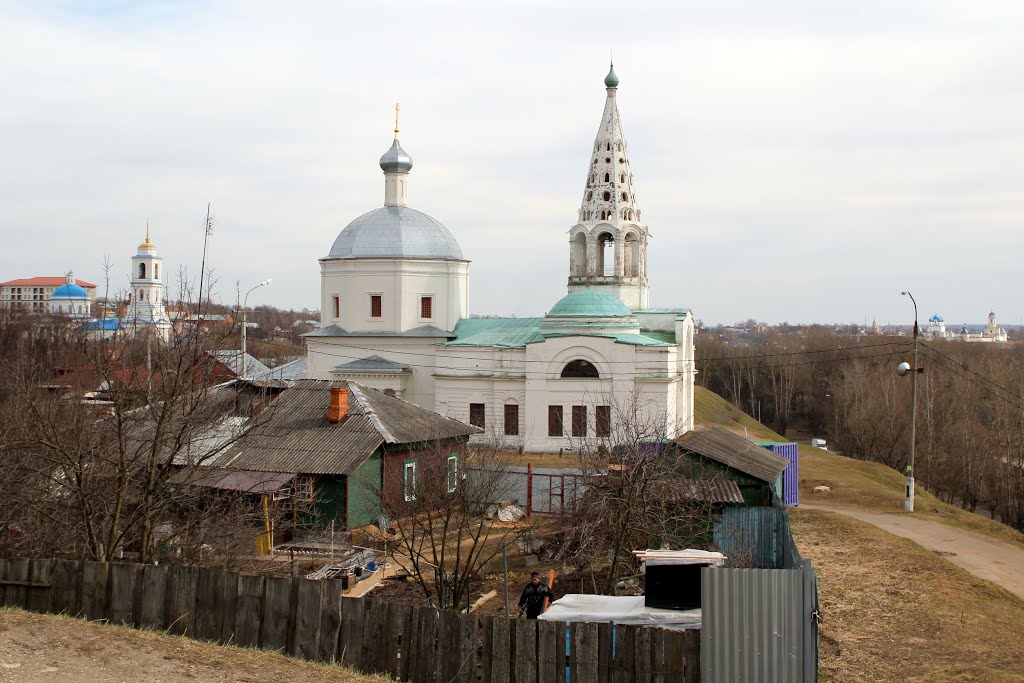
(532, 599)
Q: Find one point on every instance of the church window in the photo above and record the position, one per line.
(625, 197)
(578, 256)
(555, 427)
(606, 196)
(477, 415)
(621, 160)
(375, 306)
(622, 177)
(608, 146)
(607, 177)
(580, 368)
(590, 195)
(142, 271)
(603, 421)
(426, 307)
(156, 271)
(579, 420)
(337, 306)
(512, 420)
(607, 160)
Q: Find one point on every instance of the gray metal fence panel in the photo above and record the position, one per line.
(553, 491)
(753, 626)
(752, 536)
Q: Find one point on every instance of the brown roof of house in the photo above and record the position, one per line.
(293, 434)
(732, 450)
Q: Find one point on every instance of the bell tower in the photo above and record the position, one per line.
(146, 298)
(608, 246)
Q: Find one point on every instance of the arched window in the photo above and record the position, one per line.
(580, 368)
(590, 195)
(578, 255)
(607, 177)
(631, 256)
(606, 196)
(609, 146)
(156, 271)
(142, 271)
(625, 197)
(622, 177)
(605, 251)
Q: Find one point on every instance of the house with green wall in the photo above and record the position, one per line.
(334, 451)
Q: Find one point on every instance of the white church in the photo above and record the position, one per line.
(395, 317)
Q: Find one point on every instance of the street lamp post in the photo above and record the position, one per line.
(908, 502)
(245, 304)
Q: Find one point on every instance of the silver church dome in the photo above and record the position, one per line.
(396, 232)
(396, 159)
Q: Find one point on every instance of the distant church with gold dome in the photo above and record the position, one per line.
(395, 317)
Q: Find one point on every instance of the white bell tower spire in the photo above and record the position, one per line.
(608, 246)
(146, 298)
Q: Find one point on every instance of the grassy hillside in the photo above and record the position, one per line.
(893, 611)
(853, 482)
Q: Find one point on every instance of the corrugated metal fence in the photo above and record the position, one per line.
(760, 622)
(753, 536)
(759, 625)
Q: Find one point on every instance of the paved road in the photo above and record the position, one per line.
(999, 562)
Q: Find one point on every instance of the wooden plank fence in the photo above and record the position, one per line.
(311, 620)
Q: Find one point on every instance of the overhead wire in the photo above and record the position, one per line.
(335, 354)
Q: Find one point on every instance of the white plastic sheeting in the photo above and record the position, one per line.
(677, 557)
(624, 609)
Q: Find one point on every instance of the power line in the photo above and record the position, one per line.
(1011, 401)
(610, 362)
(823, 361)
(1011, 392)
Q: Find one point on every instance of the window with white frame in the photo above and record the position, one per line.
(409, 481)
(451, 473)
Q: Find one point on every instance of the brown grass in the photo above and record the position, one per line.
(893, 611)
(39, 647)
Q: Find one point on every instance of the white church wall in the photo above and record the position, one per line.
(400, 283)
(325, 353)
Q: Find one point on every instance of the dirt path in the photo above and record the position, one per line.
(998, 562)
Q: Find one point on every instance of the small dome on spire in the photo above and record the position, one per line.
(396, 159)
(611, 80)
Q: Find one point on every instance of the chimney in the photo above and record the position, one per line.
(338, 408)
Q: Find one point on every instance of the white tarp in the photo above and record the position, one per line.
(619, 609)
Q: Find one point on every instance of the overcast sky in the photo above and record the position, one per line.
(798, 161)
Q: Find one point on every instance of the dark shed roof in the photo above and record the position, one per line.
(294, 436)
(697, 490)
(732, 450)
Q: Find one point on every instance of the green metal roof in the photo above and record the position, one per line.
(500, 332)
(516, 333)
(589, 303)
(663, 310)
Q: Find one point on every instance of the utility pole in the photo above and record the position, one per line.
(908, 502)
(245, 304)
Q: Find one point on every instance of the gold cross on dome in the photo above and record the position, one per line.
(396, 120)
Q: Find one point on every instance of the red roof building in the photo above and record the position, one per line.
(33, 293)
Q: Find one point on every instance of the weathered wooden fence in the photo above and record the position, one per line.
(310, 619)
